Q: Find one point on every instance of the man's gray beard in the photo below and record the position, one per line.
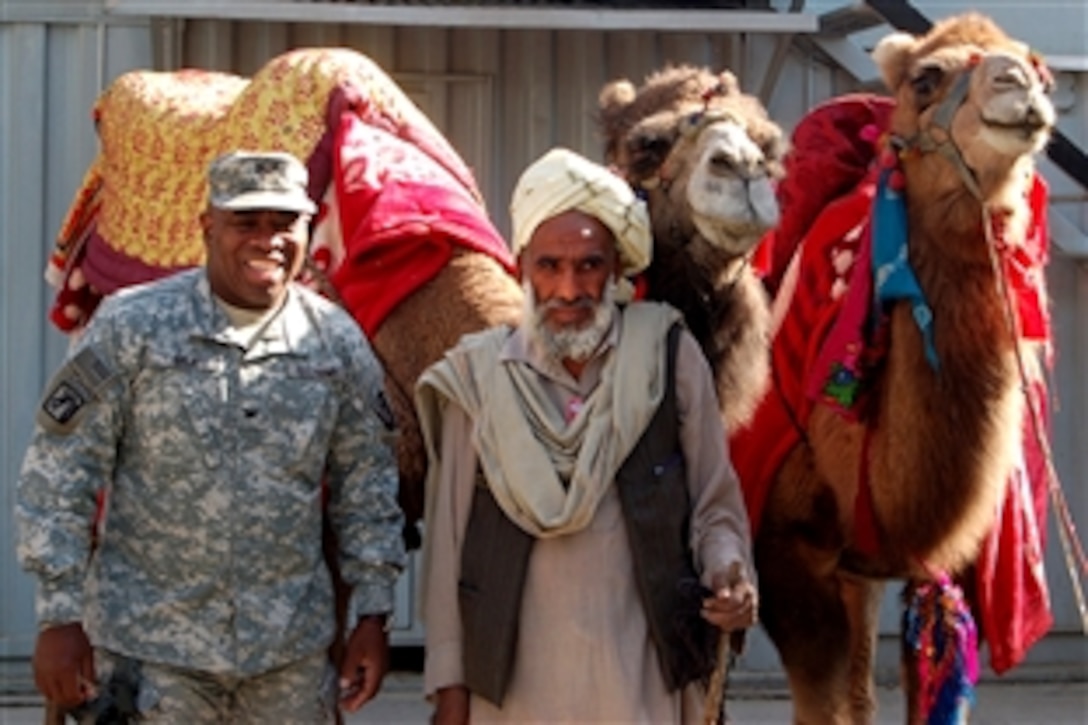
(569, 344)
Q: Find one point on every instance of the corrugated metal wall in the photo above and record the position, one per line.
(502, 97)
(50, 75)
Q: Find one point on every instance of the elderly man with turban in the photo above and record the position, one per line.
(586, 541)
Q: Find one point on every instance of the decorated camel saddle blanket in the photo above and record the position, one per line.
(839, 259)
(394, 197)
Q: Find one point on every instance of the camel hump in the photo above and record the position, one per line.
(831, 150)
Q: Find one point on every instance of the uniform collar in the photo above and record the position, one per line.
(283, 335)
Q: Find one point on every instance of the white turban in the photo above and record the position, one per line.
(561, 181)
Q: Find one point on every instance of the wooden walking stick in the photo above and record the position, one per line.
(729, 645)
(714, 708)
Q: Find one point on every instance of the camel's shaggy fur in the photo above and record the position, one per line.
(704, 154)
(942, 442)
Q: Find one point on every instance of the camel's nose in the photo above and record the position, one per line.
(1033, 116)
(722, 163)
(1011, 79)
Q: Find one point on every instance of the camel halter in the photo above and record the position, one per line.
(925, 141)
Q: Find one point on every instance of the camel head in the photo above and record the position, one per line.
(705, 155)
(975, 97)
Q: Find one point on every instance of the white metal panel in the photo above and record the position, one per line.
(472, 118)
(49, 11)
(1068, 280)
(580, 74)
(1070, 201)
(256, 43)
(22, 230)
(631, 55)
(422, 55)
(50, 75)
(526, 107)
(377, 42)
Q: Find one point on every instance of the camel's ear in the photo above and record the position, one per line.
(613, 102)
(728, 83)
(892, 55)
(616, 96)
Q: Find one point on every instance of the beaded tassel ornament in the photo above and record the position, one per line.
(941, 633)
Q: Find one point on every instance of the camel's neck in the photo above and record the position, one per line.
(947, 435)
(952, 258)
(695, 277)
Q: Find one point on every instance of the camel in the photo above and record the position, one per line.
(888, 459)
(705, 156)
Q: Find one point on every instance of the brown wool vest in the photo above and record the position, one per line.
(652, 486)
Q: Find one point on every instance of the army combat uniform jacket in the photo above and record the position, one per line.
(212, 458)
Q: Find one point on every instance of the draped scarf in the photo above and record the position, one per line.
(547, 475)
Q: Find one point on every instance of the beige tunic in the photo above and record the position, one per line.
(584, 652)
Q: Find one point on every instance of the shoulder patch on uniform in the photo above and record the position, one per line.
(75, 386)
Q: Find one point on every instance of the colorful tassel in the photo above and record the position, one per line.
(940, 631)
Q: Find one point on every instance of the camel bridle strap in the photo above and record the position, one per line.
(937, 136)
(1072, 549)
(691, 126)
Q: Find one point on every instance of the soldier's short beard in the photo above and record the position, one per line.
(576, 344)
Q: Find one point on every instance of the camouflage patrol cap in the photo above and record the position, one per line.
(242, 180)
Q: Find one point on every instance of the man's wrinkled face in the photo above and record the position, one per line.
(569, 271)
(252, 256)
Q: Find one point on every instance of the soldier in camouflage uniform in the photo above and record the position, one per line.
(209, 409)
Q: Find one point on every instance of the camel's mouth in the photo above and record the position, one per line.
(1026, 128)
(733, 235)
(1026, 117)
(731, 213)
(1026, 135)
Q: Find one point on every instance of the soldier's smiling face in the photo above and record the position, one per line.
(253, 255)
